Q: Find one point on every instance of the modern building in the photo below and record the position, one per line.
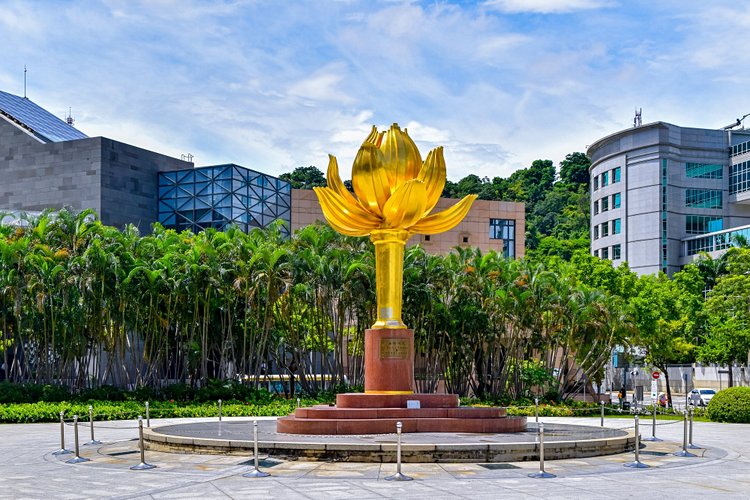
(661, 194)
(47, 163)
(220, 196)
(489, 225)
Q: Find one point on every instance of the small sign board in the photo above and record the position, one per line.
(412, 403)
(656, 375)
(394, 349)
(654, 389)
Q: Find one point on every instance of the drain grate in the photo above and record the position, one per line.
(264, 462)
(499, 466)
(120, 453)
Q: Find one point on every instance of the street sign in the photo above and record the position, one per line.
(654, 390)
(655, 375)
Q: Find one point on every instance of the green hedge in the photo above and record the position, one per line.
(125, 410)
(730, 405)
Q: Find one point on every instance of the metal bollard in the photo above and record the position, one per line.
(148, 417)
(637, 464)
(653, 437)
(542, 473)
(398, 476)
(143, 465)
(62, 450)
(78, 458)
(683, 452)
(690, 434)
(536, 410)
(93, 440)
(256, 472)
(602, 422)
(220, 410)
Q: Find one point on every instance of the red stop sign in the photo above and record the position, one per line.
(655, 375)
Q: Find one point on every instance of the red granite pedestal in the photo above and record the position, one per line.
(389, 398)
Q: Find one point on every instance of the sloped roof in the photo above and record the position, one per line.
(43, 124)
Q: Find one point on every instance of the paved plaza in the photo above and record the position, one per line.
(29, 470)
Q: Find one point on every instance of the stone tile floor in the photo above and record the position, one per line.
(29, 470)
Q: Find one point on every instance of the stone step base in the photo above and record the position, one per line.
(333, 412)
(374, 400)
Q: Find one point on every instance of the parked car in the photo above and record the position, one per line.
(700, 397)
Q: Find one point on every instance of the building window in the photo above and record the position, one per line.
(596, 232)
(605, 179)
(739, 177)
(596, 207)
(426, 237)
(605, 229)
(741, 148)
(465, 239)
(596, 182)
(616, 250)
(605, 204)
(605, 253)
(664, 239)
(615, 175)
(504, 229)
(616, 226)
(703, 198)
(704, 171)
(615, 201)
(702, 224)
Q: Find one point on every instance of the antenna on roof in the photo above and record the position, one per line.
(69, 120)
(637, 121)
(24, 81)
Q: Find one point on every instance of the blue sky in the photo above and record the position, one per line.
(273, 85)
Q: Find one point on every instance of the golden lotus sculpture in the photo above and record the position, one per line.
(395, 193)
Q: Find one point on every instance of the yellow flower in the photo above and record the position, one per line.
(394, 189)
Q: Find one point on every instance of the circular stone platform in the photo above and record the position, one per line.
(235, 437)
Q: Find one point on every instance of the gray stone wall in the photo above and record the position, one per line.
(36, 176)
(129, 183)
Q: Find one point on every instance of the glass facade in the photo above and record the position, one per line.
(504, 229)
(739, 177)
(220, 196)
(714, 242)
(704, 171)
(703, 198)
(702, 224)
(664, 253)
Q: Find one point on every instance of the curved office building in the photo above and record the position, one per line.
(661, 194)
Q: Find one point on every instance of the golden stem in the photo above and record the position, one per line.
(389, 275)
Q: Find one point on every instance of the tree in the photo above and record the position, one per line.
(574, 169)
(305, 178)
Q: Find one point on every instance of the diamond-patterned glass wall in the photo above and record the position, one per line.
(221, 196)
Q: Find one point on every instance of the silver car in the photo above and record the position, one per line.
(700, 397)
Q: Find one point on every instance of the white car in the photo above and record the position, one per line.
(700, 397)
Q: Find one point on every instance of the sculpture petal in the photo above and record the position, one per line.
(433, 176)
(351, 220)
(375, 137)
(334, 182)
(445, 220)
(370, 178)
(406, 205)
(402, 158)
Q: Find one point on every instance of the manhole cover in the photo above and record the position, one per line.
(499, 466)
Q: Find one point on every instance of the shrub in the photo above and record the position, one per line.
(730, 405)
(103, 393)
